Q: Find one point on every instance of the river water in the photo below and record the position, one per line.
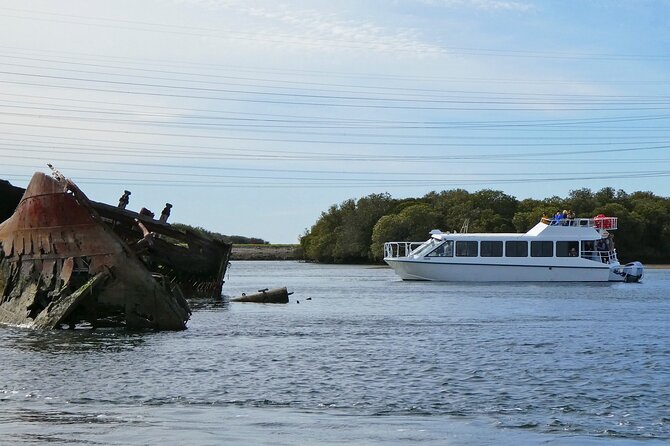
(357, 357)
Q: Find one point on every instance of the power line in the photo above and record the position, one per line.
(358, 156)
(239, 116)
(321, 183)
(414, 79)
(391, 177)
(319, 131)
(486, 101)
(367, 89)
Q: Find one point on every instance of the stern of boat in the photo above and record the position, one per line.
(629, 273)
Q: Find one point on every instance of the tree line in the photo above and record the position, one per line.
(234, 239)
(354, 231)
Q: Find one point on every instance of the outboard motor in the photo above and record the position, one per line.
(633, 272)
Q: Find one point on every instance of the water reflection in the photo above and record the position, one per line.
(222, 304)
(75, 341)
(66, 417)
(111, 339)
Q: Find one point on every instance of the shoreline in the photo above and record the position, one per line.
(266, 252)
(293, 252)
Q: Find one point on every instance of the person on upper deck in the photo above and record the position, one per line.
(557, 218)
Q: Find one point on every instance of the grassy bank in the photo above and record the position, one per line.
(267, 252)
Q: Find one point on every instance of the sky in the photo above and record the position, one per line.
(252, 117)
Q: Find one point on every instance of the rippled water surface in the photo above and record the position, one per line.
(358, 357)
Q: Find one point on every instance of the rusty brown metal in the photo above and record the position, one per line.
(266, 296)
(65, 260)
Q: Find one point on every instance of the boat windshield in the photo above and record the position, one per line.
(425, 247)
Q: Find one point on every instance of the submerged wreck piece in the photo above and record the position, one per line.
(266, 296)
(61, 264)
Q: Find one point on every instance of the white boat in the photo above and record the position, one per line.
(570, 250)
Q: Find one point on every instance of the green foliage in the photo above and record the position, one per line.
(412, 224)
(343, 234)
(355, 231)
(319, 242)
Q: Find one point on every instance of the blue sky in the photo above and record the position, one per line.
(253, 117)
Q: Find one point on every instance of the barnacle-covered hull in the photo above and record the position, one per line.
(61, 265)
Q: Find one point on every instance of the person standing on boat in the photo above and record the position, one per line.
(557, 218)
(588, 250)
(601, 247)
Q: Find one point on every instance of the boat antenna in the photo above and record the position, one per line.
(464, 228)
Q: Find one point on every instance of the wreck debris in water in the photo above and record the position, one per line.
(65, 260)
(266, 296)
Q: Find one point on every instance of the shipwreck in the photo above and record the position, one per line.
(67, 261)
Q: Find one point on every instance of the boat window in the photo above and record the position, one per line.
(446, 249)
(491, 248)
(425, 247)
(542, 249)
(516, 249)
(567, 249)
(466, 249)
(589, 250)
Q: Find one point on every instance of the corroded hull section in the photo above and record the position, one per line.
(196, 263)
(60, 264)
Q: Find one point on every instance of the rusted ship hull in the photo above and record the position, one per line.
(195, 263)
(67, 261)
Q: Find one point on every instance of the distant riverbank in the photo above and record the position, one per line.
(267, 252)
(294, 252)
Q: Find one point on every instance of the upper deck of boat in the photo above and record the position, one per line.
(565, 229)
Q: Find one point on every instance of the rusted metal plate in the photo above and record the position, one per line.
(48, 267)
(66, 270)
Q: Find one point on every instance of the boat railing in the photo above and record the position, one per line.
(399, 249)
(600, 256)
(606, 223)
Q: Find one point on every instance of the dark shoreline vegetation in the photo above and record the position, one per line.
(355, 230)
(250, 248)
(234, 239)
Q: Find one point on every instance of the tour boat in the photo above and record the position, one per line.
(569, 250)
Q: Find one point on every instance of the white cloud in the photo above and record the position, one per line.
(281, 24)
(490, 5)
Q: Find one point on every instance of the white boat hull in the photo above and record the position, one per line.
(410, 269)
